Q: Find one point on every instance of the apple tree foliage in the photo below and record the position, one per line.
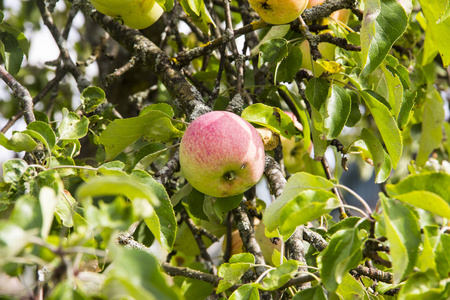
(94, 205)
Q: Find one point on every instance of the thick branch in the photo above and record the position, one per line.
(275, 176)
(247, 233)
(26, 102)
(187, 96)
(325, 9)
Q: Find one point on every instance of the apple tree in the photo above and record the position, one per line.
(94, 204)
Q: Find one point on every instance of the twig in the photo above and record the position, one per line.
(314, 239)
(228, 241)
(166, 172)
(201, 245)
(326, 167)
(26, 101)
(82, 82)
(374, 274)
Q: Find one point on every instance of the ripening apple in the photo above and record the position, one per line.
(278, 11)
(221, 154)
(136, 14)
(326, 49)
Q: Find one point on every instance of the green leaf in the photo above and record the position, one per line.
(243, 258)
(437, 183)
(441, 256)
(14, 47)
(225, 204)
(314, 293)
(422, 286)
(116, 185)
(395, 91)
(13, 170)
(403, 234)
(427, 201)
(432, 122)
(167, 5)
(350, 288)
(91, 98)
(277, 277)
(318, 134)
(317, 92)
(13, 239)
(289, 66)
(161, 107)
(342, 254)
(65, 209)
(296, 184)
(348, 223)
(306, 206)
(270, 117)
(148, 154)
(384, 22)
(27, 213)
(338, 107)
(380, 159)
(273, 51)
(19, 142)
(42, 132)
(161, 130)
(231, 274)
(47, 201)
(405, 113)
(164, 224)
(387, 126)
(112, 168)
(123, 132)
(136, 274)
(245, 292)
(195, 201)
(65, 290)
(436, 28)
(198, 13)
(72, 127)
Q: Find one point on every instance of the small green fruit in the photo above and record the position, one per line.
(136, 14)
(278, 11)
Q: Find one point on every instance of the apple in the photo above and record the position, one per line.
(136, 14)
(278, 11)
(327, 50)
(221, 154)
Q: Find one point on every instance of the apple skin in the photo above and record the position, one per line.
(137, 14)
(278, 11)
(221, 154)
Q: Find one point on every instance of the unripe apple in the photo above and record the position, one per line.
(326, 49)
(221, 154)
(136, 14)
(278, 11)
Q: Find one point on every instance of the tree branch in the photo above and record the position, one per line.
(26, 101)
(185, 94)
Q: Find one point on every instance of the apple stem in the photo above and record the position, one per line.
(230, 176)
